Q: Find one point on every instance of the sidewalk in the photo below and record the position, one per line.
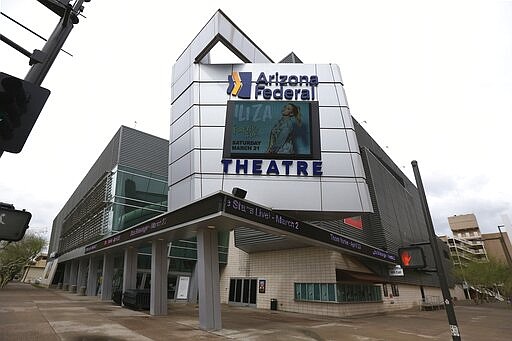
(30, 313)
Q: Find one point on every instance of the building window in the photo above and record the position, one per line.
(139, 196)
(337, 292)
(348, 292)
(181, 265)
(385, 289)
(187, 249)
(317, 292)
(394, 290)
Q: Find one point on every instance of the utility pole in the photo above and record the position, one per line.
(51, 49)
(448, 302)
(40, 62)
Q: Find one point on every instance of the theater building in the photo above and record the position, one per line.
(275, 198)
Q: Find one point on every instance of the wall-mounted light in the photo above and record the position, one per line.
(239, 193)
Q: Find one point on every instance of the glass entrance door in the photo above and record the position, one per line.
(242, 291)
(171, 286)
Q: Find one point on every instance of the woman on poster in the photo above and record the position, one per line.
(284, 133)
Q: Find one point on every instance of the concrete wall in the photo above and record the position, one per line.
(32, 274)
(281, 269)
(494, 246)
(458, 293)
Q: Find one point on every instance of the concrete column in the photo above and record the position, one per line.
(67, 271)
(73, 274)
(158, 302)
(192, 290)
(130, 268)
(92, 277)
(108, 275)
(208, 280)
(82, 275)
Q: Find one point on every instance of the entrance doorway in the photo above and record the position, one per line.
(242, 291)
(171, 286)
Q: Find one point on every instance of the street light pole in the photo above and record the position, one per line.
(448, 302)
(505, 248)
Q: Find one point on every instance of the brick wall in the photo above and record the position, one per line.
(282, 268)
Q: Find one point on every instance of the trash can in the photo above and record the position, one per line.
(273, 304)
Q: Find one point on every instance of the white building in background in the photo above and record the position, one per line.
(467, 244)
(33, 272)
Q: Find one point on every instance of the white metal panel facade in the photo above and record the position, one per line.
(198, 118)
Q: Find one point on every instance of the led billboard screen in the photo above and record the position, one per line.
(272, 130)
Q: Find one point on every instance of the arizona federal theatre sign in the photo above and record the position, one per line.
(277, 133)
(287, 87)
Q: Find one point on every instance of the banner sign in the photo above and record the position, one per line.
(264, 216)
(240, 208)
(150, 227)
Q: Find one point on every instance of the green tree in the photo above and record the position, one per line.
(488, 275)
(14, 256)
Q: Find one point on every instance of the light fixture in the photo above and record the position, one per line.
(239, 193)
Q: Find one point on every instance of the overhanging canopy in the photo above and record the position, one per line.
(224, 212)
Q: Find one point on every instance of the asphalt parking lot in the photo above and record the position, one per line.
(31, 313)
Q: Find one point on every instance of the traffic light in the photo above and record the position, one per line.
(412, 257)
(13, 223)
(20, 105)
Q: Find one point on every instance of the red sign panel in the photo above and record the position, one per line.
(356, 222)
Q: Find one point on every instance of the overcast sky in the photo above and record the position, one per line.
(430, 81)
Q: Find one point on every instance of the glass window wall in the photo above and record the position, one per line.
(338, 292)
(139, 196)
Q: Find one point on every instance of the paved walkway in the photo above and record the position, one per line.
(29, 313)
